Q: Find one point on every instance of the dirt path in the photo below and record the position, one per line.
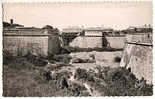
(90, 90)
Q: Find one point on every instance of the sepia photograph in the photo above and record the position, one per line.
(77, 49)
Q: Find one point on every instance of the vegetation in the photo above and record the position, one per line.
(117, 59)
(8, 25)
(31, 76)
(52, 29)
(7, 57)
(21, 78)
(115, 82)
(77, 49)
(65, 58)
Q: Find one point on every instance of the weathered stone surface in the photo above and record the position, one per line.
(116, 42)
(92, 42)
(139, 58)
(87, 42)
(38, 45)
(141, 38)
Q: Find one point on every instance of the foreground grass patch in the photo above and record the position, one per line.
(23, 79)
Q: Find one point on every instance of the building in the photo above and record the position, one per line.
(94, 38)
(24, 40)
(138, 29)
(93, 32)
(86, 38)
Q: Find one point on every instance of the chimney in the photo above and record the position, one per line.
(11, 21)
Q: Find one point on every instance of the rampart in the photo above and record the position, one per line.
(36, 41)
(97, 41)
(137, 55)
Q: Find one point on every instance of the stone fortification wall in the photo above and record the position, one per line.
(87, 42)
(137, 55)
(36, 41)
(116, 42)
(24, 44)
(94, 41)
(141, 38)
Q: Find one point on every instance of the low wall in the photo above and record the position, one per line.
(142, 38)
(86, 42)
(139, 59)
(24, 44)
(91, 42)
(116, 42)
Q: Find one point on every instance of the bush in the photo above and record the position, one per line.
(78, 90)
(114, 82)
(7, 57)
(65, 50)
(79, 60)
(40, 62)
(36, 60)
(92, 56)
(121, 82)
(62, 58)
(81, 74)
(50, 56)
(70, 49)
(117, 59)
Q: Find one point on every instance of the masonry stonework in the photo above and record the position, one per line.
(92, 42)
(22, 42)
(116, 42)
(137, 55)
(87, 42)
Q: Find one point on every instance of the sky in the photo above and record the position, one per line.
(117, 15)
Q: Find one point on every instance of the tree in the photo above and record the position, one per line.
(6, 24)
(51, 29)
(48, 27)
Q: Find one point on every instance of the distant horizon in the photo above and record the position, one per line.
(83, 27)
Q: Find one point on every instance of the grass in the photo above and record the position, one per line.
(22, 78)
(79, 60)
(65, 58)
(36, 60)
(7, 57)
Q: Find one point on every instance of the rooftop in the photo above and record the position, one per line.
(98, 29)
(25, 31)
(78, 29)
(72, 30)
